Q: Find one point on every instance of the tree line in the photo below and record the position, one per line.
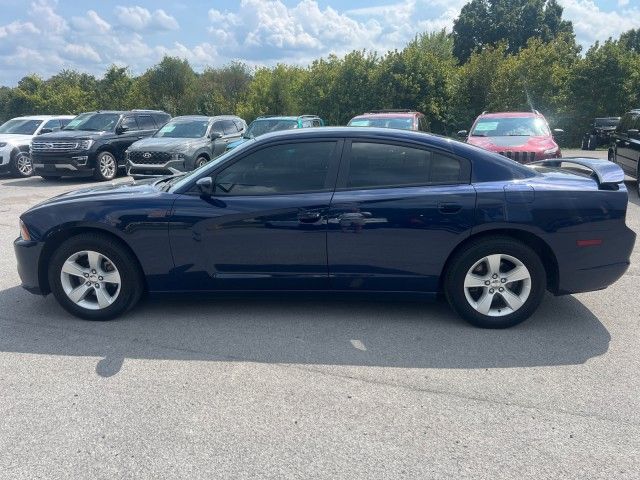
(483, 64)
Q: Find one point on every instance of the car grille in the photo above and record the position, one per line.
(521, 157)
(40, 146)
(149, 158)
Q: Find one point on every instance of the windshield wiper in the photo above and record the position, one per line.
(170, 181)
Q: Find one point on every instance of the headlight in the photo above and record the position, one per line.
(177, 156)
(551, 151)
(3, 144)
(85, 144)
(24, 233)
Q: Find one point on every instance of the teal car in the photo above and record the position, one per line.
(262, 125)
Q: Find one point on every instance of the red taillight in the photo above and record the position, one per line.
(593, 242)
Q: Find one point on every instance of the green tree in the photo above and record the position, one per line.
(114, 88)
(170, 86)
(487, 22)
(630, 40)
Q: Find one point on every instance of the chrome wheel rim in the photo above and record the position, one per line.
(23, 164)
(200, 162)
(90, 280)
(497, 285)
(107, 166)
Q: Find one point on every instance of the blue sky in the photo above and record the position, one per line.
(44, 36)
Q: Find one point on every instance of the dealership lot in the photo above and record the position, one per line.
(309, 387)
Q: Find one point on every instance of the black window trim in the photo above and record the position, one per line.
(343, 174)
(330, 178)
(153, 121)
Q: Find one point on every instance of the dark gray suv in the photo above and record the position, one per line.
(625, 146)
(183, 144)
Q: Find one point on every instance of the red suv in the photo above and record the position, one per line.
(400, 119)
(522, 136)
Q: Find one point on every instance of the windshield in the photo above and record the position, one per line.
(178, 182)
(511, 127)
(402, 123)
(184, 129)
(94, 122)
(260, 127)
(20, 126)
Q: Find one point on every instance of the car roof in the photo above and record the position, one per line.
(354, 132)
(388, 114)
(284, 117)
(510, 115)
(42, 117)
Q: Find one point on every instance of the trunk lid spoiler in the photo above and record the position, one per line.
(608, 174)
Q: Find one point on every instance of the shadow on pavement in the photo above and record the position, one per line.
(66, 181)
(407, 334)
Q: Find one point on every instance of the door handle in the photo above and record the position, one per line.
(309, 217)
(449, 208)
(140, 137)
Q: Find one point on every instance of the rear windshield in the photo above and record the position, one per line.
(402, 123)
(260, 127)
(511, 127)
(20, 126)
(184, 129)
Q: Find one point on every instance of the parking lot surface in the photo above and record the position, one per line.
(314, 388)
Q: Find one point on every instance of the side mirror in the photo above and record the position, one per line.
(45, 130)
(122, 129)
(215, 135)
(463, 133)
(205, 186)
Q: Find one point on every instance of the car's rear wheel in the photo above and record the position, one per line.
(94, 277)
(497, 282)
(583, 145)
(21, 165)
(106, 167)
(592, 142)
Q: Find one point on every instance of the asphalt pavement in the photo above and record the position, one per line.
(313, 387)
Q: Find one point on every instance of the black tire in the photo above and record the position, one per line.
(19, 167)
(611, 156)
(583, 145)
(104, 174)
(200, 161)
(132, 280)
(50, 177)
(592, 143)
(465, 259)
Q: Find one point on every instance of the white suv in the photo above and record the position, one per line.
(15, 140)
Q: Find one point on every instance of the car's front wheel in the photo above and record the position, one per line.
(21, 165)
(497, 282)
(94, 277)
(200, 162)
(106, 167)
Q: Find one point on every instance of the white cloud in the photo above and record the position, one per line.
(82, 53)
(623, 3)
(140, 19)
(92, 23)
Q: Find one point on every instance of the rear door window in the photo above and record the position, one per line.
(380, 165)
(130, 123)
(146, 122)
(229, 127)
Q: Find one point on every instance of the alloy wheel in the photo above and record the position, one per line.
(497, 285)
(90, 280)
(107, 166)
(24, 165)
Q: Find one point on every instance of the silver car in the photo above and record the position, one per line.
(183, 144)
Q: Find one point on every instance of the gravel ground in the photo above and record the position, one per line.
(314, 388)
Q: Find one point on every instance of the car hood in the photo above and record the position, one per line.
(159, 144)
(72, 134)
(129, 189)
(523, 143)
(15, 139)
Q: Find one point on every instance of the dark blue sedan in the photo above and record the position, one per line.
(344, 210)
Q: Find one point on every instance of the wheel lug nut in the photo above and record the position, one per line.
(88, 284)
(501, 289)
(491, 290)
(487, 282)
(97, 285)
(100, 278)
(93, 271)
(495, 275)
(86, 275)
(503, 280)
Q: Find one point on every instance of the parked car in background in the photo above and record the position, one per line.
(361, 210)
(267, 124)
(600, 132)
(15, 140)
(93, 143)
(522, 136)
(183, 144)
(625, 147)
(401, 119)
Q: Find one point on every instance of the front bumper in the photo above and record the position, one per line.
(5, 157)
(172, 167)
(71, 164)
(28, 257)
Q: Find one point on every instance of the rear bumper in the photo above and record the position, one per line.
(28, 258)
(586, 269)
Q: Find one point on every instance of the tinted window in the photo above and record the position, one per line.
(239, 125)
(20, 126)
(146, 122)
(510, 127)
(64, 121)
(94, 122)
(183, 129)
(316, 123)
(130, 123)
(279, 169)
(381, 165)
(53, 124)
(229, 127)
(217, 128)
